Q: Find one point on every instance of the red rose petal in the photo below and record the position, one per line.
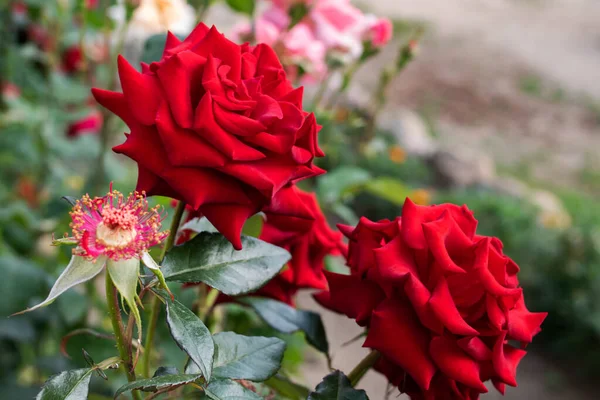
(181, 79)
(523, 325)
(443, 306)
(229, 219)
(351, 296)
(506, 359)
(455, 363)
(475, 347)
(212, 132)
(396, 332)
(141, 92)
(185, 148)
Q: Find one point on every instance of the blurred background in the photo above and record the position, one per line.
(490, 103)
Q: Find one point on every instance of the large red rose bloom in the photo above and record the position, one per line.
(441, 303)
(216, 125)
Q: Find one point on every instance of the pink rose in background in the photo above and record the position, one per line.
(330, 28)
(379, 32)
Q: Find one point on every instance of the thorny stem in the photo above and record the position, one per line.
(155, 307)
(112, 298)
(362, 367)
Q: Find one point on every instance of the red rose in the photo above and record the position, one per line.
(440, 302)
(295, 222)
(72, 60)
(307, 240)
(88, 125)
(216, 125)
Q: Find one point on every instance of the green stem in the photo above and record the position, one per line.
(208, 304)
(112, 298)
(362, 367)
(155, 306)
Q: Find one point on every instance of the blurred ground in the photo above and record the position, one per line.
(518, 79)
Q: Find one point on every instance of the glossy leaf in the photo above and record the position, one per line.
(125, 274)
(78, 271)
(158, 382)
(225, 389)
(68, 385)
(287, 388)
(245, 357)
(388, 189)
(287, 319)
(337, 386)
(211, 259)
(191, 335)
(332, 186)
(242, 6)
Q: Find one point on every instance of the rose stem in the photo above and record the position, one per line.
(208, 304)
(155, 307)
(362, 367)
(112, 298)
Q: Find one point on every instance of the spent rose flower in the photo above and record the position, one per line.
(441, 302)
(115, 226)
(216, 125)
(115, 231)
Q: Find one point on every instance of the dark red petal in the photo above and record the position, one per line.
(506, 359)
(523, 325)
(476, 348)
(141, 91)
(115, 102)
(201, 186)
(419, 297)
(185, 148)
(212, 132)
(172, 42)
(397, 333)
(455, 363)
(413, 216)
(217, 45)
(351, 296)
(395, 260)
(181, 79)
(485, 276)
(143, 145)
(237, 124)
(191, 40)
(229, 219)
(443, 306)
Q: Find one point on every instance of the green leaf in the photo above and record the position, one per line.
(245, 357)
(225, 389)
(211, 259)
(68, 385)
(124, 274)
(389, 189)
(287, 388)
(242, 6)
(78, 271)
(159, 382)
(337, 386)
(332, 186)
(286, 319)
(191, 335)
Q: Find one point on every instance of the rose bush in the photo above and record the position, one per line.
(216, 125)
(441, 302)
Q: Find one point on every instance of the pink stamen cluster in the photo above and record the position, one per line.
(116, 226)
